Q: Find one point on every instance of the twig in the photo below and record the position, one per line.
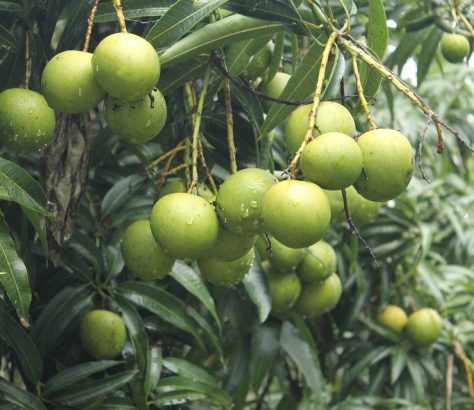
(365, 55)
(360, 92)
(90, 25)
(353, 229)
(230, 126)
(27, 60)
(161, 158)
(420, 151)
(120, 17)
(261, 398)
(449, 382)
(467, 367)
(316, 100)
(202, 158)
(173, 170)
(197, 126)
(466, 23)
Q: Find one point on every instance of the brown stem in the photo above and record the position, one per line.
(202, 158)
(230, 126)
(120, 17)
(27, 60)
(90, 25)
(173, 170)
(360, 92)
(161, 158)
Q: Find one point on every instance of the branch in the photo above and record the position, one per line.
(90, 24)
(120, 17)
(360, 92)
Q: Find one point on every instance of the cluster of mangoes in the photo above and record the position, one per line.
(124, 69)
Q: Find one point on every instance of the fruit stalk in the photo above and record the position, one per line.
(360, 92)
(27, 60)
(120, 17)
(212, 182)
(90, 24)
(316, 100)
(197, 127)
(230, 126)
(466, 23)
(468, 365)
(166, 155)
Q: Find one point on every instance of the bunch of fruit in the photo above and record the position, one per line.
(124, 70)
(422, 327)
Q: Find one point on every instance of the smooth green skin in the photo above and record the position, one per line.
(454, 47)
(240, 198)
(318, 263)
(231, 246)
(142, 255)
(393, 317)
(332, 160)
(388, 164)
(136, 122)
(26, 120)
(362, 210)
(259, 63)
(185, 225)
(226, 274)
(68, 83)
(365, 211)
(296, 213)
(126, 66)
(423, 327)
(284, 291)
(336, 202)
(275, 87)
(319, 297)
(102, 334)
(282, 258)
(331, 117)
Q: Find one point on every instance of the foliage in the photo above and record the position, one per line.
(193, 345)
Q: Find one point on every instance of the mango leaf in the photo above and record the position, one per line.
(26, 352)
(88, 392)
(9, 6)
(76, 12)
(7, 40)
(133, 9)
(377, 41)
(74, 374)
(187, 369)
(257, 290)
(175, 77)
(153, 369)
(217, 35)
(303, 355)
(21, 398)
(161, 303)
(60, 316)
(21, 187)
(300, 86)
(13, 275)
(212, 393)
(178, 20)
(193, 283)
(427, 54)
(120, 193)
(276, 56)
(37, 222)
(238, 55)
(398, 360)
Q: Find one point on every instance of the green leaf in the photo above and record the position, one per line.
(398, 359)
(175, 77)
(76, 12)
(303, 355)
(383, 331)
(217, 35)
(120, 193)
(7, 40)
(21, 398)
(178, 20)
(37, 222)
(136, 332)
(161, 303)
(153, 369)
(133, 9)
(193, 283)
(60, 316)
(88, 392)
(21, 187)
(377, 42)
(72, 375)
(212, 393)
(238, 55)
(257, 290)
(276, 56)
(264, 349)
(10, 7)
(189, 370)
(173, 397)
(427, 54)
(26, 352)
(300, 86)
(13, 275)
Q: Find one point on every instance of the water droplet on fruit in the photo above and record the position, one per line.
(80, 91)
(253, 204)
